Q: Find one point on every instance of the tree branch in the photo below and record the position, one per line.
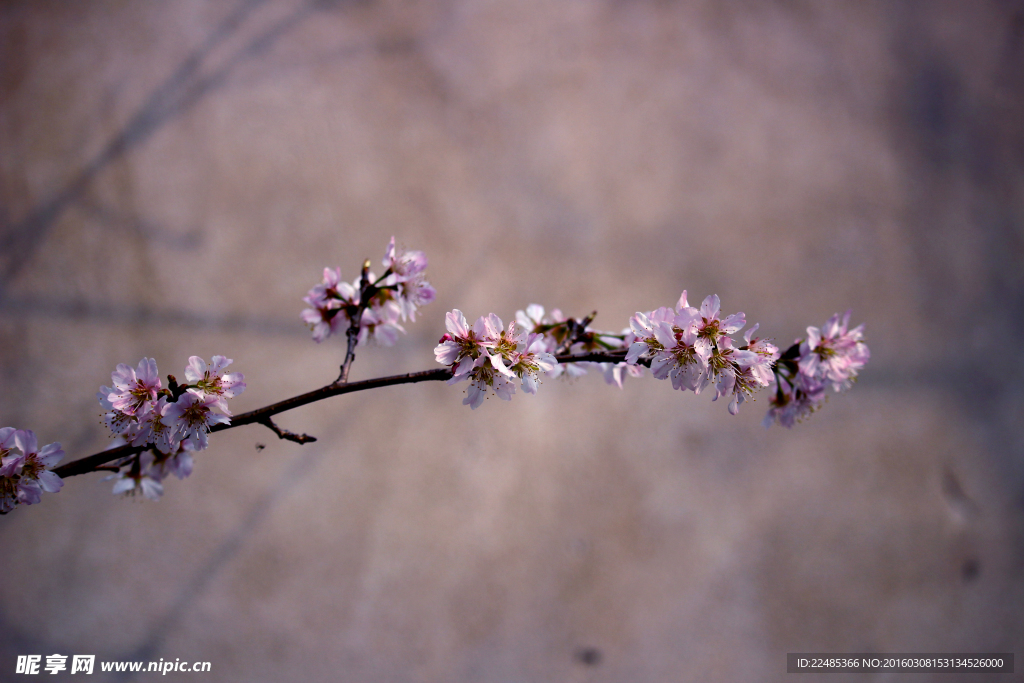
(92, 463)
(285, 434)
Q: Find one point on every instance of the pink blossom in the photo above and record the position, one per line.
(413, 294)
(529, 360)
(532, 319)
(26, 475)
(710, 328)
(191, 417)
(767, 353)
(143, 474)
(211, 380)
(119, 423)
(136, 478)
(792, 403)
(832, 354)
(490, 356)
(668, 338)
(460, 343)
(693, 349)
(615, 373)
(323, 322)
(325, 315)
(402, 262)
(179, 464)
(378, 303)
(380, 323)
(152, 430)
(8, 462)
(133, 388)
(406, 279)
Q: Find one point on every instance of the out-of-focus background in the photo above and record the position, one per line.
(174, 177)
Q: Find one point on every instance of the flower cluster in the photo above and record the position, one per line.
(489, 356)
(25, 468)
(378, 303)
(694, 348)
(832, 355)
(562, 335)
(170, 422)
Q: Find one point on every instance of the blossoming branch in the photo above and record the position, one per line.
(157, 428)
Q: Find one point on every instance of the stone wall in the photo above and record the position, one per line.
(174, 176)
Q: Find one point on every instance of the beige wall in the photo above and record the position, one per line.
(174, 176)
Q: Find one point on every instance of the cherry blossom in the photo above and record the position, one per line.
(694, 349)
(26, 475)
(406, 269)
(832, 354)
(152, 430)
(793, 402)
(710, 328)
(378, 303)
(210, 380)
(380, 323)
(327, 301)
(119, 423)
(461, 345)
(491, 357)
(191, 417)
(529, 359)
(136, 479)
(133, 388)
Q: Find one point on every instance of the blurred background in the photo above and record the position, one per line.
(175, 176)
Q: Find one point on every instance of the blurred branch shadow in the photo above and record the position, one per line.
(184, 88)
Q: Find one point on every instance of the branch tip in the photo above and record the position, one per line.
(286, 434)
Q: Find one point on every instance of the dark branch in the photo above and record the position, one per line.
(262, 415)
(285, 434)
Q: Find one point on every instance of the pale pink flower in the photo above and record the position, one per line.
(615, 373)
(532, 319)
(380, 323)
(710, 328)
(144, 473)
(411, 295)
(8, 462)
(529, 360)
(137, 479)
(211, 379)
(118, 422)
(460, 344)
(791, 403)
(410, 288)
(325, 315)
(402, 262)
(833, 354)
(152, 430)
(677, 358)
(133, 388)
(8, 467)
(645, 339)
(767, 353)
(484, 375)
(179, 464)
(490, 356)
(651, 332)
(191, 417)
(25, 475)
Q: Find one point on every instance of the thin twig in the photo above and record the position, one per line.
(352, 333)
(285, 434)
